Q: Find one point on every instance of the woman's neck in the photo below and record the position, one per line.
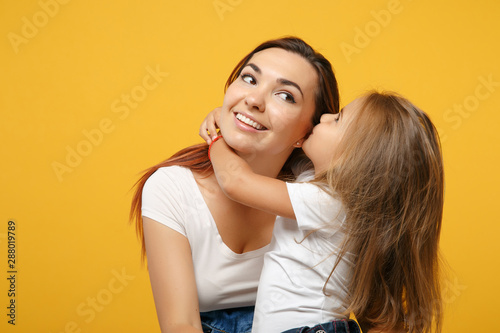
(266, 165)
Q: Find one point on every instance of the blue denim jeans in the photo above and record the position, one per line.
(237, 320)
(336, 326)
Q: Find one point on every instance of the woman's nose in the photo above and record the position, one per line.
(255, 100)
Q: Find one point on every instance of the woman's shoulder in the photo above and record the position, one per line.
(173, 172)
(170, 177)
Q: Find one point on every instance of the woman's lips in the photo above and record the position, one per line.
(242, 119)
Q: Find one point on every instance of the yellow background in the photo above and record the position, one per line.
(67, 67)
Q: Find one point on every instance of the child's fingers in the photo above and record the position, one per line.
(212, 126)
(203, 132)
(216, 114)
(208, 128)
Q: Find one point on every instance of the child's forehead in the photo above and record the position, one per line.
(352, 106)
(350, 111)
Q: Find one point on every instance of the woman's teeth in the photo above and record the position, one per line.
(249, 122)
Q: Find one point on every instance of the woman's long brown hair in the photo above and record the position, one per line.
(389, 176)
(196, 157)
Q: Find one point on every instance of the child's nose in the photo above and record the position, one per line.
(327, 117)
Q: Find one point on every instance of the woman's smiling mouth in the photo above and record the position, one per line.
(250, 122)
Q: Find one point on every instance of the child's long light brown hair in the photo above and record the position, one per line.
(389, 176)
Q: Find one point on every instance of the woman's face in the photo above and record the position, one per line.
(269, 107)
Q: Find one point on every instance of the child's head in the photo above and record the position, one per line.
(379, 133)
(386, 168)
(322, 145)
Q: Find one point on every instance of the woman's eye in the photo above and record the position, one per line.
(248, 78)
(287, 97)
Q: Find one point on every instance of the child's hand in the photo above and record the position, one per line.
(208, 128)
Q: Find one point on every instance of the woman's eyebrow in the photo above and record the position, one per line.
(255, 68)
(290, 83)
(281, 81)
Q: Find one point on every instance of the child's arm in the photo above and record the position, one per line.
(241, 184)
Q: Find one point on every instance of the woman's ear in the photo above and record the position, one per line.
(299, 143)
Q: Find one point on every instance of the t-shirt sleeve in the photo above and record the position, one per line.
(162, 199)
(314, 208)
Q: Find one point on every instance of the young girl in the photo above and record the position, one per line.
(358, 235)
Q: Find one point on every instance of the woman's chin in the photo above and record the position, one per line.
(240, 143)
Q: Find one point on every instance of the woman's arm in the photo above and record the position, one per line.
(171, 273)
(241, 184)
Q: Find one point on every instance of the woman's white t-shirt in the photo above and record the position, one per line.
(299, 262)
(224, 279)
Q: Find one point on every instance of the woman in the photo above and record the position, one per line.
(205, 251)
